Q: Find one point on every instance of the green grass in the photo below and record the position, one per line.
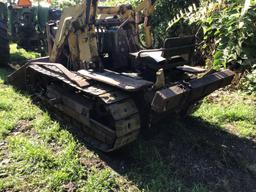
(232, 111)
(40, 154)
(19, 55)
(37, 154)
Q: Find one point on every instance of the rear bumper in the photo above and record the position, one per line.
(178, 97)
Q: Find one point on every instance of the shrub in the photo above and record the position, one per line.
(249, 81)
(228, 29)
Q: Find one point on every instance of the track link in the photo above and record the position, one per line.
(108, 118)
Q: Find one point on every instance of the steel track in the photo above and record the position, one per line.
(108, 117)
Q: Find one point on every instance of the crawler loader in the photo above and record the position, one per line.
(98, 77)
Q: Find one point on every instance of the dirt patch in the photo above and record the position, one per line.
(21, 126)
(92, 162)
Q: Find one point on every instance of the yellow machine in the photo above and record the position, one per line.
(78, 26)
(99, 79)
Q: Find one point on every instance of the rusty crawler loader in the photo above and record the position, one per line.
(98, 76)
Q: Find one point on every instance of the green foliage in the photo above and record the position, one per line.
(118, 2)
(249, 81)
(165, 11)
(228, 31)
(19, 55)
(11, 112)
(103, 181)
(64, 3)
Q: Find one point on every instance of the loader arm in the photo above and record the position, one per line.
(147, 7)
(77, 27)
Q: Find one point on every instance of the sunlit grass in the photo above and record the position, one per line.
(233, 111)
(41, 154)
(19, 55)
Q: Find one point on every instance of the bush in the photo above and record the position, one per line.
(249, 81)
(228, 32)
(165, 11)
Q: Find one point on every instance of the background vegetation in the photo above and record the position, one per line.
(226, 34)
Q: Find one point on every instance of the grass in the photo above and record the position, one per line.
(19, 55)
(193, 154)
(36, 153)
(233, 111)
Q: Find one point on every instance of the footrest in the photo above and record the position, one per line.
(190, 69)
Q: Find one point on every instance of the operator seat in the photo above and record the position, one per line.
(177, 51)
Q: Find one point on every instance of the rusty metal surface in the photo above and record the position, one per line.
(78, 105)
(179, 96)
(18, 77)
(117, 80)
(190, 69)
(59, 68)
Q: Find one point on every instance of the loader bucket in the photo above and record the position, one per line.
(18, 77)
(180, 96)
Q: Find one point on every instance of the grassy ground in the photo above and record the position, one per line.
(212, 150)
(20, 56)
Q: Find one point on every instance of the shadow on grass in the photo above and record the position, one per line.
(188, 155)
(185, 155)
(4, 72)
(18, 58)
